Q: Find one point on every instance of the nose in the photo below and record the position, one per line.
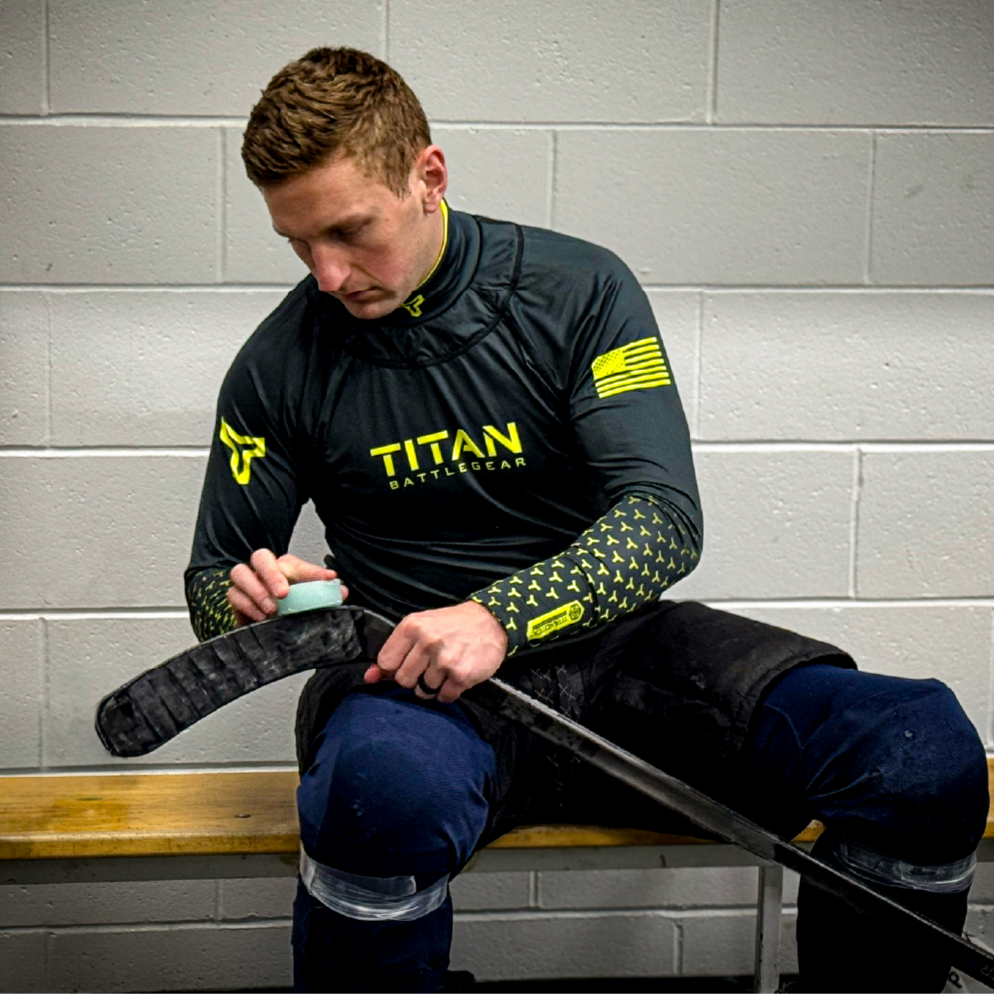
(329, 267)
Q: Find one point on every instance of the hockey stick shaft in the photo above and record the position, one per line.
(714, 817)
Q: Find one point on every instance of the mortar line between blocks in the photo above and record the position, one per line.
(218, 916)
(877, 290)
(678, 941)
(978, 289)
(712, 108)
(85, 614)
(741, 603)
(707, 445)
(729, 603)
(129, 119)
(221, 264)
(533, 889)
(212, 288)
(46, 92)
(47, 967)
(102, 451)
(857, 490)
(43, 701)
(698, 368)
(200, 925)
(553, 166)
(990, 693)
(876, 446)
(48, 369)
(673, 915)
(870, 190)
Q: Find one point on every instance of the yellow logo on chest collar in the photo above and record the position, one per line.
(413, 306)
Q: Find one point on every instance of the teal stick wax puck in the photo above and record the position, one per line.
(311, 596)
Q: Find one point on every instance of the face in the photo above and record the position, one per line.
(363, 244)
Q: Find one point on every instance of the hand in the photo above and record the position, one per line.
(455, 648)
(257, 586)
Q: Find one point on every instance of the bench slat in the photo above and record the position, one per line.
(148, 814)
(158, 814)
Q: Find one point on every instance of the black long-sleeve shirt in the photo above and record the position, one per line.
(516, 420)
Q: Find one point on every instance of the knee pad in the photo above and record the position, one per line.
(893, 764)
(397, 788)
(901, 770)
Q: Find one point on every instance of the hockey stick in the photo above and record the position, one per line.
(157, 705)
(160, 703)
(729, 825)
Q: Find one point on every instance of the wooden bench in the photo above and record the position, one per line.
(177, 826)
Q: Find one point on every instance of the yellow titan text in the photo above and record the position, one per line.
(458, 443)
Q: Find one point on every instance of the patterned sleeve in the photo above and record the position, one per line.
(206, 594)
(622, 561)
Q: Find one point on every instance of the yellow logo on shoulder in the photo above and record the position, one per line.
(636, 366)
(244, 448)
(562, 617)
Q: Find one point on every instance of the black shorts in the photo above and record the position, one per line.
(677, 683)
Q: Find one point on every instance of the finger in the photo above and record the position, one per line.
(456, 682)
(450, 691)
(245, 608)
(402, 639)
(415, 663)
(247, 581)
(264, 564)
(298, 570)
(373, 675)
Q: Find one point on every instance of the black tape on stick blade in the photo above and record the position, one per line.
(156, 706)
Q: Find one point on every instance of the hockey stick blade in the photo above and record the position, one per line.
(148, 711)
(500, 698)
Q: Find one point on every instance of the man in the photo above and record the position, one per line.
(486, 421)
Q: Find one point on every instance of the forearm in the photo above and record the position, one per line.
(622, 561)
(206, 595)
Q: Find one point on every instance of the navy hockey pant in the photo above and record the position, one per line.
(400, 790)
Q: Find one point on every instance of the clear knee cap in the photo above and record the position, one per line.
(370, 898)
(876, 868)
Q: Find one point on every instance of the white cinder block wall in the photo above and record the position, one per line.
(806, 189)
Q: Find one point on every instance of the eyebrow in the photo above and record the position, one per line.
(342, 225)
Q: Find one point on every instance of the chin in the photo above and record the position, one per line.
(368, 310)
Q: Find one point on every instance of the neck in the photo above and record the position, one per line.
(439, 241)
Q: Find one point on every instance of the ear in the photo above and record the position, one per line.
(431, 170)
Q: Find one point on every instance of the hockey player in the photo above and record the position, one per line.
(486, 420)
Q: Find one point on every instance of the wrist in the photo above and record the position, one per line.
(495, 623)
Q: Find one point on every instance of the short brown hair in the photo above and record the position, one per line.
(335, 100)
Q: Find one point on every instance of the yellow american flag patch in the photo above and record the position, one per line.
(636, 366)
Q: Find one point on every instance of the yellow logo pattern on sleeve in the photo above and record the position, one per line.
(636, 366)
(210, 612)
(244, 448)
(560, 617)
(622, 561)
